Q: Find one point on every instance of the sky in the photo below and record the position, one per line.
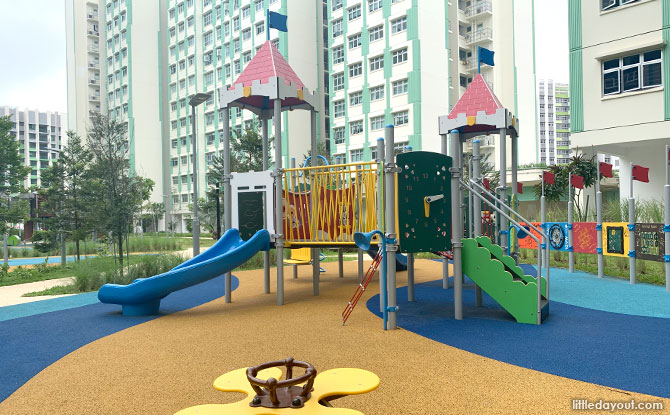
(33, 33)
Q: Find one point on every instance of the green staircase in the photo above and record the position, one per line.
(499, 276)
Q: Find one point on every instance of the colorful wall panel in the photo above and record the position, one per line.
(615, 239)
(649, 241)
(528, 242)
(584, 237)
(558, 235)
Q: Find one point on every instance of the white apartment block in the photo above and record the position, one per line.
(554, 122)
(40, 136)
(406, 62)
(619, 65)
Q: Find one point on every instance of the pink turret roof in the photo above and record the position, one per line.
(478, 97)
(268, 63)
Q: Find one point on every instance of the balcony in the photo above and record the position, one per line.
(92, 15)
(94, 65)
(93, 97)
(93, 49)
(93, 33)
(483, 35)
(478, 9)
(94, 81)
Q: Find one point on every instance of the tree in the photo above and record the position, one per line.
(12, 175)
(121, 195)
(487, 170)
(154, 212)
(321, 151)
(579, 165)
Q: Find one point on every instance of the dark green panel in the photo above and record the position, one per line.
(250, 212)
(424, 174)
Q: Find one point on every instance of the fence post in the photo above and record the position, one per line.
(631, 231)
(392, 241)
(456, 227)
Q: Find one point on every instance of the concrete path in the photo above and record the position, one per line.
(11, 294)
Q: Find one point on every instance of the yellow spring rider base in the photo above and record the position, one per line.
(310, 393)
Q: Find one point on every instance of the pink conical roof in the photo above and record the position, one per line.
(268, 63)
(477, 97)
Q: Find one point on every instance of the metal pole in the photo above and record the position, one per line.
(63, 251)
(266, 166)
(666, 228)
(218, 210)
(194, 168)
(631, 231)
(476, 176)
(227, 195)
(471, 208)
(340, 262)
(543, 219)
(456, 228)
(599, 225)
(571, 255)
(5, 249)
(380, 210)
(392, 243)
(279, 203)
(360, 265)
(515, 202)
(316, 267)
(502, 232)
(410, 263)
(445, 261)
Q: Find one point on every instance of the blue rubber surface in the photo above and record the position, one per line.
(616, 350)
(47, 306)
(30, 344)
(615, 295)
(52, 260)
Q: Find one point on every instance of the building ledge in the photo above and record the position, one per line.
(632, 93)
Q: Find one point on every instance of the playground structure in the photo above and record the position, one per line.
(407, 203)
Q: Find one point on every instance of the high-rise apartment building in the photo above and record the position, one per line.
(40, 138)
(407, 62)
(152, 56)
(553, 110)
(619, 103)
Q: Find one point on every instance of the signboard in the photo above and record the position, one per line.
(558, 235)
(584, 237)
(250, 213)
(649, 241)
(615, 239)
(424, 202)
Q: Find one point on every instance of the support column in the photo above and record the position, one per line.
(361, 271)
(631, 231)
(503, 230)
(410, 262)
(392, 244)
(456, 227)
(476, 176)
(445, 261)
(227, 194)
(571, 255)
(380, 209)
(515, 163)
(266, 166)
(279, 203)
(599, 225)
(340, 263)
(666, 228)
(316, 266)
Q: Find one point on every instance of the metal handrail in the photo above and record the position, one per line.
(537, 240)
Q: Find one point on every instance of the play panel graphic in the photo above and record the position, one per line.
(424, 209)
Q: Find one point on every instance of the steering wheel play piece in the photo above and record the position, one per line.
(273, 393)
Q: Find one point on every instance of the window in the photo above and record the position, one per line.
(246, 12)
(184, 160)
(338, 81)
(246, 57)
(175, 162)
(399, 25)
(400, 118)
(611, 4)
(399, 56)
(355, 69)
(356, 155)
(374, 5)
(632, 72)
(377, 123)
(355, 127)
(338, 135)
(181, 26)
(355, 98)
(376, 63)
(400, 87)
(377, 93)
(246, 34)
(260, 28)
(259, 5)
(354, 12)
(337, 4)
(209, 78)
(355, 41)
(338, 108)
(207, 19)
(236, 24)
(338, 54)
(340, 158)
(174, 143)
(207, 38)
(337, 28)
(376, 33)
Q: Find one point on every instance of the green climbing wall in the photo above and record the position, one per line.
(424, 227)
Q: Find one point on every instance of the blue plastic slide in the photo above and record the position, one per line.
(143, 296)
(400, 259)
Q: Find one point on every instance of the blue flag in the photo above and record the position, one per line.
(277, 21)
(484, 56)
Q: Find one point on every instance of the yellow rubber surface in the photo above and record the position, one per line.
(169, 364)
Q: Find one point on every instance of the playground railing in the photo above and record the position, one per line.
(498, 209)
(326, 205)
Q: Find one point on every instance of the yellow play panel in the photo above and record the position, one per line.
(333, 383)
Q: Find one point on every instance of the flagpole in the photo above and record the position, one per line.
(543, 219)
(571, 256)
(479, 61)
(267, 24)
(631, 230)
(599, 223)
